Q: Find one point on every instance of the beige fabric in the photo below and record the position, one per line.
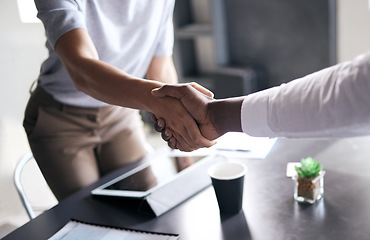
(74, 146)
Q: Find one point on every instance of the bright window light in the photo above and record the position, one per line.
(27, 11)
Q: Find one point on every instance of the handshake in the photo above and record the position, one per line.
(212, 118)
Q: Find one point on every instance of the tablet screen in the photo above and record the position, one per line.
(139, 181)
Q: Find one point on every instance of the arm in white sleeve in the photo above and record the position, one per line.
(334, 102)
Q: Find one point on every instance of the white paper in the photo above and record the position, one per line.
(235, 145)
(76, 230)
(290, 168)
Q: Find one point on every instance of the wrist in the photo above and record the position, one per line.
(149, 101)
(225, 114)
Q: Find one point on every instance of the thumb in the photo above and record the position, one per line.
(180, 90)
(157, 92)
(202, 89)
(168, 91)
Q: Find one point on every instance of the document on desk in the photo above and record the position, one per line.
(235, 145)
(78, 230)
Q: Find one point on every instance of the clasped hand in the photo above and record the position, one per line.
(197, 101)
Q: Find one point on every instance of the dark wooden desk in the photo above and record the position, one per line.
(269, 211)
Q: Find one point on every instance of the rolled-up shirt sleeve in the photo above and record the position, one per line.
(334, 102)
(59, 17)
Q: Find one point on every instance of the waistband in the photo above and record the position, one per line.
(45, 99)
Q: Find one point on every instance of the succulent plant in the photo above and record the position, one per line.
(309, 168)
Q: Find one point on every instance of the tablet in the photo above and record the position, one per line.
(159, 169)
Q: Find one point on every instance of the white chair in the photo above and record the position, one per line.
(17, 181)
(27, 158)
(34, 193)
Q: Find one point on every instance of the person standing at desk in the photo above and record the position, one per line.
(333, 102)
(78, 120)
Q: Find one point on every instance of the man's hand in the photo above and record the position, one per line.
(196, 100)
(180, 124)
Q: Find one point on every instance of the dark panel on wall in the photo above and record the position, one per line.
(289, 38)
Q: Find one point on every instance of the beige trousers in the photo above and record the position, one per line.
(74, 146)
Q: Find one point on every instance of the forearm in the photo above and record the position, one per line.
(162, 69)
(111, 85)
(99, 79)
(329, 103)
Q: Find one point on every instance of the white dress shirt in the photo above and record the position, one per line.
(333, 102)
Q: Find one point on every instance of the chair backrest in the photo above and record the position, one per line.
(18, 184)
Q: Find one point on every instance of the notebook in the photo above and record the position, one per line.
(75, 229)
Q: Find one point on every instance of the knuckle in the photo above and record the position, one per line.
(197, 143)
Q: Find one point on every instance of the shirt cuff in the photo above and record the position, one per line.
(254, 114)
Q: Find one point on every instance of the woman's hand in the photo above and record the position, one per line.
(180, 125)
(196, 101)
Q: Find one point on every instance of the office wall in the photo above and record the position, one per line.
(288, 38)
(21, 52)
(293, 38)
(353, 28)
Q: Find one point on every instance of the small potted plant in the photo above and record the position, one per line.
(309, 181)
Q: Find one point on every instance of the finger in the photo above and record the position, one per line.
(182, 144)
(153, 118)
(202, 89)
(186, 126)
(194, 137)
(187, 130)
(172, 143)
(166, 134)
(178, 146)
(199, 142)
(159, 125)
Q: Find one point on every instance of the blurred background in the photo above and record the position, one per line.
(233, 47)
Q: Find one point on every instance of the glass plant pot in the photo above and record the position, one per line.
(309, 190)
